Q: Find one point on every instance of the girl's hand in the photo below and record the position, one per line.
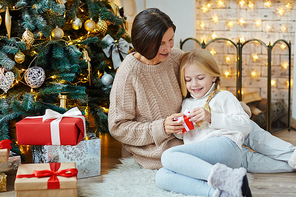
(199, 114)
(171, 125)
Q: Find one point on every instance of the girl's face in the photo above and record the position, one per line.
(198, 82)
(166, 45)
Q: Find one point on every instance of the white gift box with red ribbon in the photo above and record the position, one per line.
(188, 125)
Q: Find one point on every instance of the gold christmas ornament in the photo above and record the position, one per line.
(19, 57)
(102, 27)
(8, 22)
(87, 59)
(28, 38)
(0, 19)
(63, 101)
(57, 33)
(76, 23)
(90, 25)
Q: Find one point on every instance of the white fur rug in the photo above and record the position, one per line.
(128, 179)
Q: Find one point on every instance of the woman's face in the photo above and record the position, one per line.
(167, 43)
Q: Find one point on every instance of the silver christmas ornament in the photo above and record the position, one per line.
(107, 79)
(34, 76)
(6, 80)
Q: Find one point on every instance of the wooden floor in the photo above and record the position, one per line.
(262, 185)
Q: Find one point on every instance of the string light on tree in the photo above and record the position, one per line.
(40, 34)
(273, 82)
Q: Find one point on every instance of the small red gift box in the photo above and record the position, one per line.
(52, 129)
(5, 146)
(188, 125)
(46, 179)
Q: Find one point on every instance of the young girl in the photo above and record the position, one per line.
(208, 162)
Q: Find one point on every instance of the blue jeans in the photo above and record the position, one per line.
(271, 153)
(187, 167)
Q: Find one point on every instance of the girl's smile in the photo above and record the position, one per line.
(198, 82)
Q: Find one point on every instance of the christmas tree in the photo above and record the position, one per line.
(52, 50)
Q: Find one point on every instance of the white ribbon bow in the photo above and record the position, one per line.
(117, 50)
(179, 119)
(54, 125)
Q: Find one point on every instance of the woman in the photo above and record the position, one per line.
(145, 96)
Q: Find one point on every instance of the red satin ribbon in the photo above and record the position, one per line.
(5, 144)
(53, 182)
(188, 123)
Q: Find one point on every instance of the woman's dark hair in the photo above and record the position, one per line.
(148, 28)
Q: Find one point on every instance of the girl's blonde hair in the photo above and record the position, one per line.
(204, 60)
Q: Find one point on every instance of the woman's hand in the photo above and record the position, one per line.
(199, 114)
(172, 126)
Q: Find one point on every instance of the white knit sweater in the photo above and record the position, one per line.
(142, 96)
(228, 118)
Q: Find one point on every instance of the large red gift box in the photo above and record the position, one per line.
(35, 131)
(48, 179)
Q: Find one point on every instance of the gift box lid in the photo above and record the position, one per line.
(41, 183)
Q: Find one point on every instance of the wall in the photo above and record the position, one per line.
(254, 54)
(182, 14)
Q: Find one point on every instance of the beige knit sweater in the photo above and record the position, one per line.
(142, 96)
